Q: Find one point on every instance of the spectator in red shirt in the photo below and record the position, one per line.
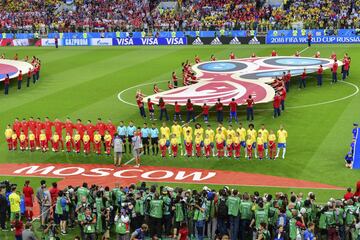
(250, 110)
(276, 105)
(183, 232)
(163, 110)
(151, 109)
(190, 111)
(205, 112)
(302, 82)
(319, 75)
(28, 199)
(20, 80)
(334, 71)
(219, 111)
(177, 114)
(19, 227)
(233, 110)
(348, 195)
(140, 104)
(6, 84)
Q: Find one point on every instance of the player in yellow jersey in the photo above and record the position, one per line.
(177, 130)
(174, 141)
(211, 135)
(260, 146)
(222, 128)
(86, 141)
(69, 143)
(108, 142)
(272, 144)
(198, 144)
(249, 147)
(188, 142)
(229, 144)
(55, 142)
(242, 133)
(14, 138)
(165, 130)
(97, 143)
(230, 131)
(23, 141)
(32, 143)
(282, 137)
(187, 128)
(237, 145)
(220, 142)
(162, 145)
(199, 130)
(265, 135)
(208, 145)
(253, 134)
(77, 142)
(8, 134)
(43, 141)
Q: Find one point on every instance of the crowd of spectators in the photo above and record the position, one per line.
(134, 212)
(137, 15)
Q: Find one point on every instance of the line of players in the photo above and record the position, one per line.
(223, 142)
(38, 135)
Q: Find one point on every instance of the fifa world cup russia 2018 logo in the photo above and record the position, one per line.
(239, 78)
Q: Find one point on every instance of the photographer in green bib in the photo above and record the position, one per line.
(156, 216)
(246, 215)
(62, 211)
(260, 216)
(122, 225)
(137, 217)
(116, 199)
(99, 206)
(200, 215)
(88, 221)
(179, 214)
(167, 217)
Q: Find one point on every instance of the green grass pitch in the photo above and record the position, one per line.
(84, 82)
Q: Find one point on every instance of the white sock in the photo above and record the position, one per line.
(284, 151)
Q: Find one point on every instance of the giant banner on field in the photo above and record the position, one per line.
(315, 39)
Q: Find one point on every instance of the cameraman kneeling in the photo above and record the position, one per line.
(88, 222)
(51, 230)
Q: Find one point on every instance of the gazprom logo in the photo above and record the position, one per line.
(76, 42)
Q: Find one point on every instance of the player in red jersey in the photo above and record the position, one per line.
(250, 108)
(25, 126)
(69, 126)
(58, 125)
(232, 55)
(110, 127)
(39, 128)
(177, 109)
(101, 127)
(320, 75)
(274, 53)
(150, 105)
(17, 126)
(302, 82)
(90, 129)
(28, 192)
(205, 112)
(334, 71)
(48, 128)
(32, 125)
(197, 59)
(80, 128)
